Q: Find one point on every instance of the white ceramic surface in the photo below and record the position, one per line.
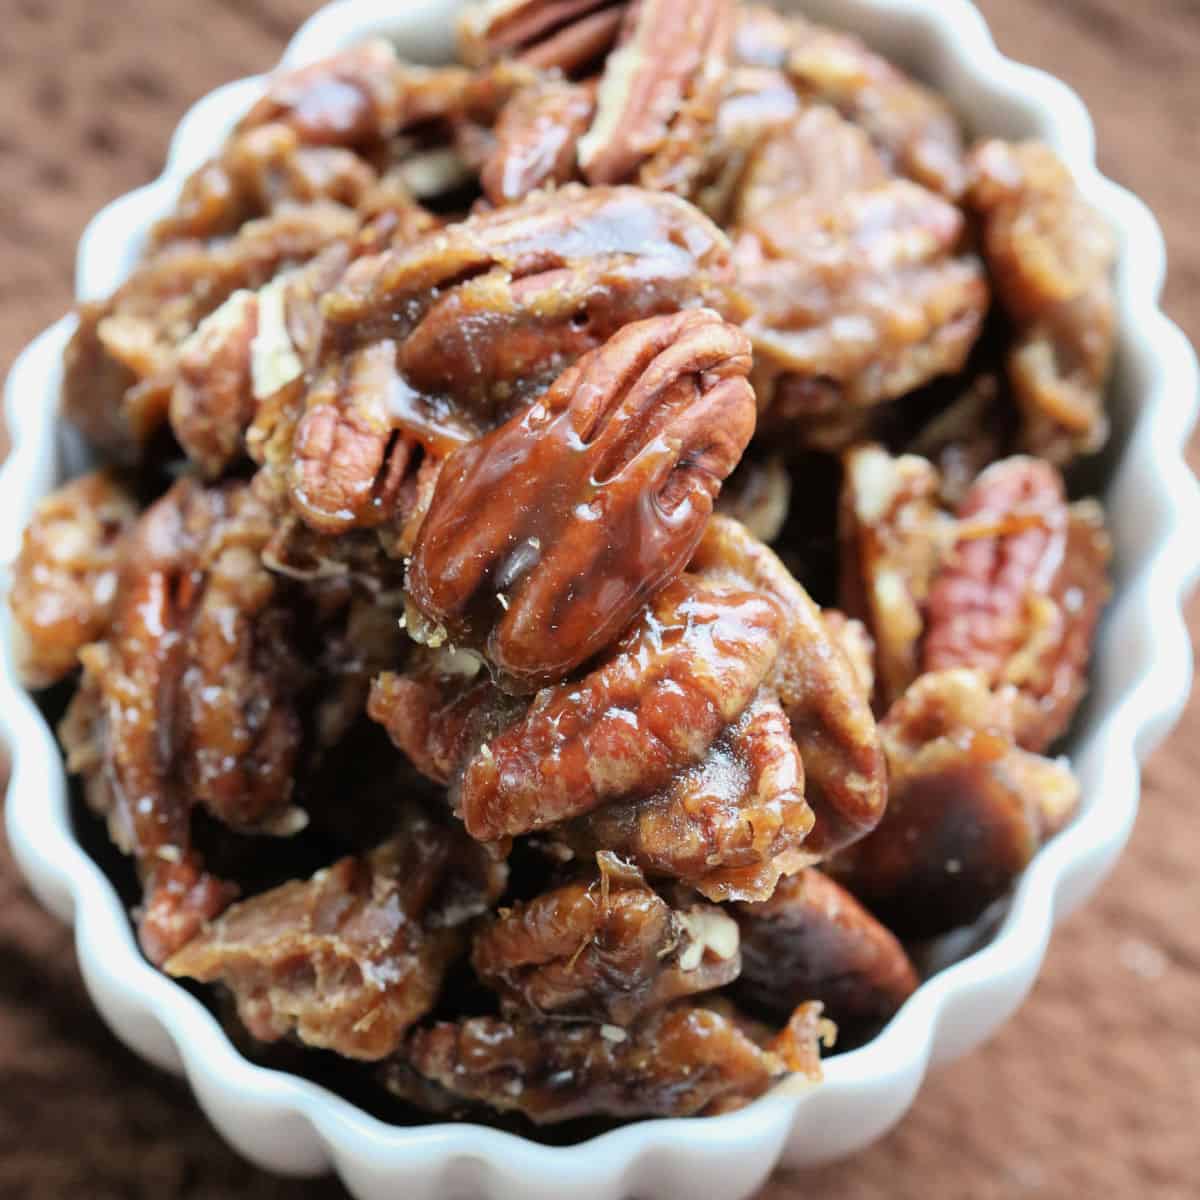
(1141, 680)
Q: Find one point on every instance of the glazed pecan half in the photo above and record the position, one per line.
(966, 811)
(680, 1061)
(546, 536)
(813, 941)
(564, 34)
(1051, 255)
(1019, 596)
(64, 581)
(350, 958)
(658, 96)
(605, 947)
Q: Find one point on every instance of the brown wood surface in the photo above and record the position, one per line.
(1093, 1090)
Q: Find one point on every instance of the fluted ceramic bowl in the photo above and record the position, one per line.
(1140, 681)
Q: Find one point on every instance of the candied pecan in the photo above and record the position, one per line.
(685, 670)
(658, 96)
(605, 947)
(567, 34)
(350, 958)
(1020, 594)
(1051, 256)
(350, 98)
(535, 138)
(606, 483)
(119, 367)
(818, 689)
(966, 811)
(258, 172)
(894, 538)
(813, 941)
(758, 494)
(913, 128)
(679, 1061)
(856, 643)
(64, 581)
(729, 826)
(859, 301)
(386, 295)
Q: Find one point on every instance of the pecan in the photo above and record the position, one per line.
(966, 811)
(685, 670)
(859, 301)
(1051, 256)
(64, 581)
(730, 826)
(352, 98)
(813, 941)
(679, 1061)
(913, 128)
(758, 494)
(535, 139)
(120, 364)
(1019, 597)
(658, 95)
(349, 959)
(567, 34)
(894, 537)
(818, 689)
(856, 643)
(607, 482)
(761, 37)
(260, 172)
(605, 947)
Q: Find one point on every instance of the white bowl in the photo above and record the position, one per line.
(1140, 681)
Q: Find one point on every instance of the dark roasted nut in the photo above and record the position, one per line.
(729, 826)
(813, 941)
(894, 537)
(678, 1062)
(818, 689)
(606, 482)
(386, 295)
(966, 808)
(257, 173)
(858, 302)
(1051, 255)
(535, 139)
(349, 959)
(658, 96)
(605, 947)
(352, 98)
(64, 581)
(758, 494)
(685, 671)
(1019, 597)
(912, 127)
(567, 34)
(119, 368)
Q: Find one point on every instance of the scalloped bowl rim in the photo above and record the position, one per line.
(182, 1033)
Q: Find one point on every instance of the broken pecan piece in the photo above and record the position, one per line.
(813, 941)
(349, 959)
(894, 537)
(1051, 255)
(966, 811)
(606, 484)
(605, 947)
(913, 128)
(685, 670)
(658, 96)
(64, 581)
(680, 1061)
(1019, 596)
(818, 689)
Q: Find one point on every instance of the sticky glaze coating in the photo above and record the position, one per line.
(419, 637)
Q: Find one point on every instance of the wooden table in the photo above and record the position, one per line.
(1094, 1088)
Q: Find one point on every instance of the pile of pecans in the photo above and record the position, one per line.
(429, 656)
